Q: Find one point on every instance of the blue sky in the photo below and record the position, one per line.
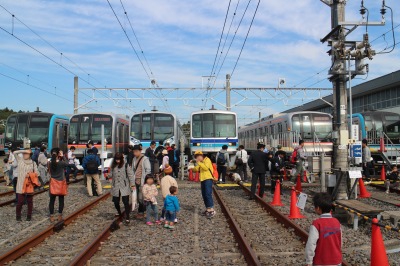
(179, 39)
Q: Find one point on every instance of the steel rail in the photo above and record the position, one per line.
(281, 218)
(24, 247)
(5, 203)
(6, 193)
(244, 245)
(92, 247)
(383, 188)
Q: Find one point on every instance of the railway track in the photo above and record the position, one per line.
(265, 235)
(75, 230)
(11, 193)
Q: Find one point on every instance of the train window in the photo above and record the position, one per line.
(11, 123)
(22, 126)
(196, 126)
(65, 133)
(296, 124)
(73, 131)
(38, 129)
(225, 125)
(368, 123)
(135, 127)
(280, 128)
(322, 126)
(272, 131)
(146, 127)
(84, 130)
(306, 126)
(208, 126)
(99, 120)
(163, 126)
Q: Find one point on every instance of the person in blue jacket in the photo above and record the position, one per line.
(90, 164)
(171, 206)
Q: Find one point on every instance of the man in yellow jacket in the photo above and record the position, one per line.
(205, 167)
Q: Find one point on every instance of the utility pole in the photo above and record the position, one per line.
(76, 88)
(341, 51)
(228, 92)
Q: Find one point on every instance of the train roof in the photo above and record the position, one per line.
(213, 112)
(103, 113)
(377, 112)
(274, 116)
(37, 113)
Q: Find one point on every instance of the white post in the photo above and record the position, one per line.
(182, 164)
(102, 151)
(350, 103)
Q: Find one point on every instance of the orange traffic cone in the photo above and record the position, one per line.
(363, 191)
(378, 251)
(197, 178)
(190, 175)
(284, 174)
(277, 195)
(382, 145)
(294, 210)
(304, 177)
(298, 185)
(383, 173)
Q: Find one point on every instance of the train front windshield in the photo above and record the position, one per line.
(214, 125)
(38, 130)
(309, 124)
(392, 122)
(88, 127)
(152, 126)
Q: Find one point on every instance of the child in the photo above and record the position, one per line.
(324, 245)
(171, 205)
(6, 171)
(149, 196)
(166, 182)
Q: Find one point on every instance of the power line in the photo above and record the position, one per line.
(252, 20)
(48, 57)
(127, 36)
(220, 39)
(230, 45)
(137, 40)
(130, 42)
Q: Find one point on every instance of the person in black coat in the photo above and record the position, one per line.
(277, 169)
(150, 153)
(258, 164)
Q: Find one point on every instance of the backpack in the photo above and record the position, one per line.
(293, 158)
(221, 159)
(214, 172)
(175, 157)
(92, 167)
(35, 156)
(159, 154)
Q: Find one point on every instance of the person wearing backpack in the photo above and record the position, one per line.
(241, 163)
(90, 164)
(301, 157)
(258, 163)
(141, 168)
(176, 162)
(222, 161)
(158, 152)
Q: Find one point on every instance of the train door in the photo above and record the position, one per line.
(64, 145)
(56, 135)
(306, 126)
(146, 127)
(119, 138)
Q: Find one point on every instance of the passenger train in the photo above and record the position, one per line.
(87, 127)
(39, 128)
(212, 129)
(373, 125)
(157, 126)
(286, 129)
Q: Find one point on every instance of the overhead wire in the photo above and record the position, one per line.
(230, 45)
(132, 46)
(247, 35)
(48, 57)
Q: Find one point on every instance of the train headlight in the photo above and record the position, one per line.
(197, 144)
(232, 144)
